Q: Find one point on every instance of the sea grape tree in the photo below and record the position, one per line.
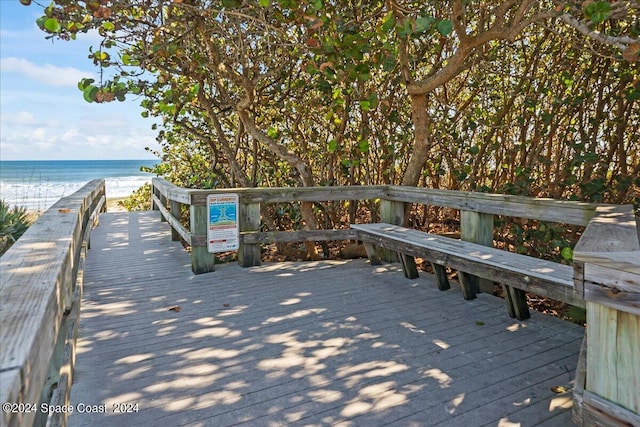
(239, 75)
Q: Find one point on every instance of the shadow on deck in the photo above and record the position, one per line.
(313, 343)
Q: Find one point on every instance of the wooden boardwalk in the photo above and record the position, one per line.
(306, 344)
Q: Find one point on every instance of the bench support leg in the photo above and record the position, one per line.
(441, 277)
(477, 227)
(372, 254)
(516, 300)
(468, 284)
(408, 266)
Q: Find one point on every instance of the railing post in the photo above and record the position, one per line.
(249, 215)
(477, 227)
(176, 212)
(609, 253)
(392, 212)
(154, 192)
(164, 203)
(201, 260)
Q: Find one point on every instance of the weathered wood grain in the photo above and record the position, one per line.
(608, 256)
(441, 277)
(201, 260)
(265, 237)
(295, 194)
(176, 212)
(314, 343)
(599, 411)
(499, 204)
(612, 288)
(520, 271)
(577, 415)
(171, 191)
(476, 227)
(613, 347)
(249, 221)
(612, 229)
(567, 212)
(37, 284)
(395, 213)
(176, 226)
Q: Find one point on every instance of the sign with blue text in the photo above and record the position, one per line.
(223, 233)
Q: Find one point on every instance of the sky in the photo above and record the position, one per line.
(43, 115)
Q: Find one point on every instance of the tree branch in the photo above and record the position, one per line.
(621, 42)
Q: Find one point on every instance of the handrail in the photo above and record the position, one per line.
(543, 209)
(392, 198)
(606, 266)
(41, 280)
(607, 274)
(39, 297)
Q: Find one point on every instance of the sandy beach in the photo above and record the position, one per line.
(113, 206)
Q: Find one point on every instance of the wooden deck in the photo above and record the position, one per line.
(309, 343)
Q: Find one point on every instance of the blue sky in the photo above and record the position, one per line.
(42, 113)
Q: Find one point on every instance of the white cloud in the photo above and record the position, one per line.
(48, 74)
(24, 118)
(21, 118)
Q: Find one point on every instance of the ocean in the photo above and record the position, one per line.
(37, 185)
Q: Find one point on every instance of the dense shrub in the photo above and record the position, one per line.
(139, 200)
(14, 221)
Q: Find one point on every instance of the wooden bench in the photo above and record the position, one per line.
(517, 273)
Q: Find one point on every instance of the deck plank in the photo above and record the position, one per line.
(309, 343)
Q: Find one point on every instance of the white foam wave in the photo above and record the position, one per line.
(40, 197)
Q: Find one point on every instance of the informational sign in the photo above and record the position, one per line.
(223, 233)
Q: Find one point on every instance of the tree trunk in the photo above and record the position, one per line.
(305, 172)
(422, 140)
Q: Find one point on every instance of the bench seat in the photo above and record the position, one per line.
(523, 272)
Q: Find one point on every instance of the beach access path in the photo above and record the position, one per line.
(304, 343)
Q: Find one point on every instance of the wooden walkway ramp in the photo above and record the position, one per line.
(304, 344)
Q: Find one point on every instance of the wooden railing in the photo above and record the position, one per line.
(40, 291)
(477, 213)
(606, 266)
(41, 282)
(607, 271)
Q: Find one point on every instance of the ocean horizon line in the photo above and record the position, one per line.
(38, 184)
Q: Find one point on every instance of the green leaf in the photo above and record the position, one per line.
(40, 21)
(89, 93)
(405, 29)
(598, 12)
(388, 22)
(108, 26)
(272, 132)
(423, 24)
(82, 84)
(332, 146)
(567, 253)
(444, 27)
(365, 105)
(363, 146)
(52, 25)
(265, 3)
